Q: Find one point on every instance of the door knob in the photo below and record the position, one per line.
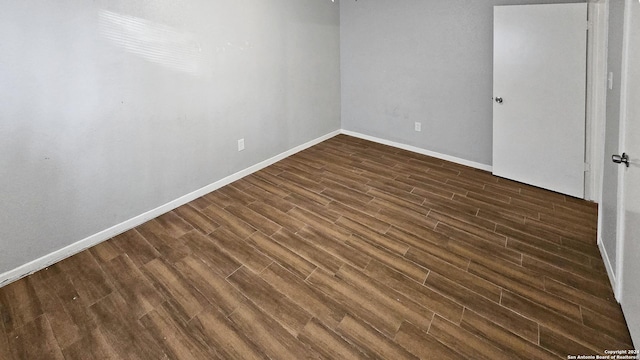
(499, 100)
(619, 159)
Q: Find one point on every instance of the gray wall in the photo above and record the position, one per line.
(111, 108)
(612, 125)
(429, 61)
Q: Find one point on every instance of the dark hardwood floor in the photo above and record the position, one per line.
(347, 250)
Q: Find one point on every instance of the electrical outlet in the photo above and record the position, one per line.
(240, 144)
(418, 126)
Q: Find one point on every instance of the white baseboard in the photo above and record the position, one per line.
(58, 255)
(607, 264)
(418, 150)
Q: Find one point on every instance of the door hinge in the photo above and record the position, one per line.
(587, 167)
(589, 25)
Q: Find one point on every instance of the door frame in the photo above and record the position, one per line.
(596, 118)
(624, 96)
(597, 39)
(596, 123)
(597, 45)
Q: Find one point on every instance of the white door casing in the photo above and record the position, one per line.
(540, 74)
(598, 12)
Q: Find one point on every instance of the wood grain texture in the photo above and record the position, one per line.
(35, 340)
(328, 343)
(346, 250)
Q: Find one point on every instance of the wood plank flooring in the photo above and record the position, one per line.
(347, 250)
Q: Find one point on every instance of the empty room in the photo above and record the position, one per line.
(324, 179)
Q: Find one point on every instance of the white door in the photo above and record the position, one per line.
(539, 85)
(608, 208)
(629, 287)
